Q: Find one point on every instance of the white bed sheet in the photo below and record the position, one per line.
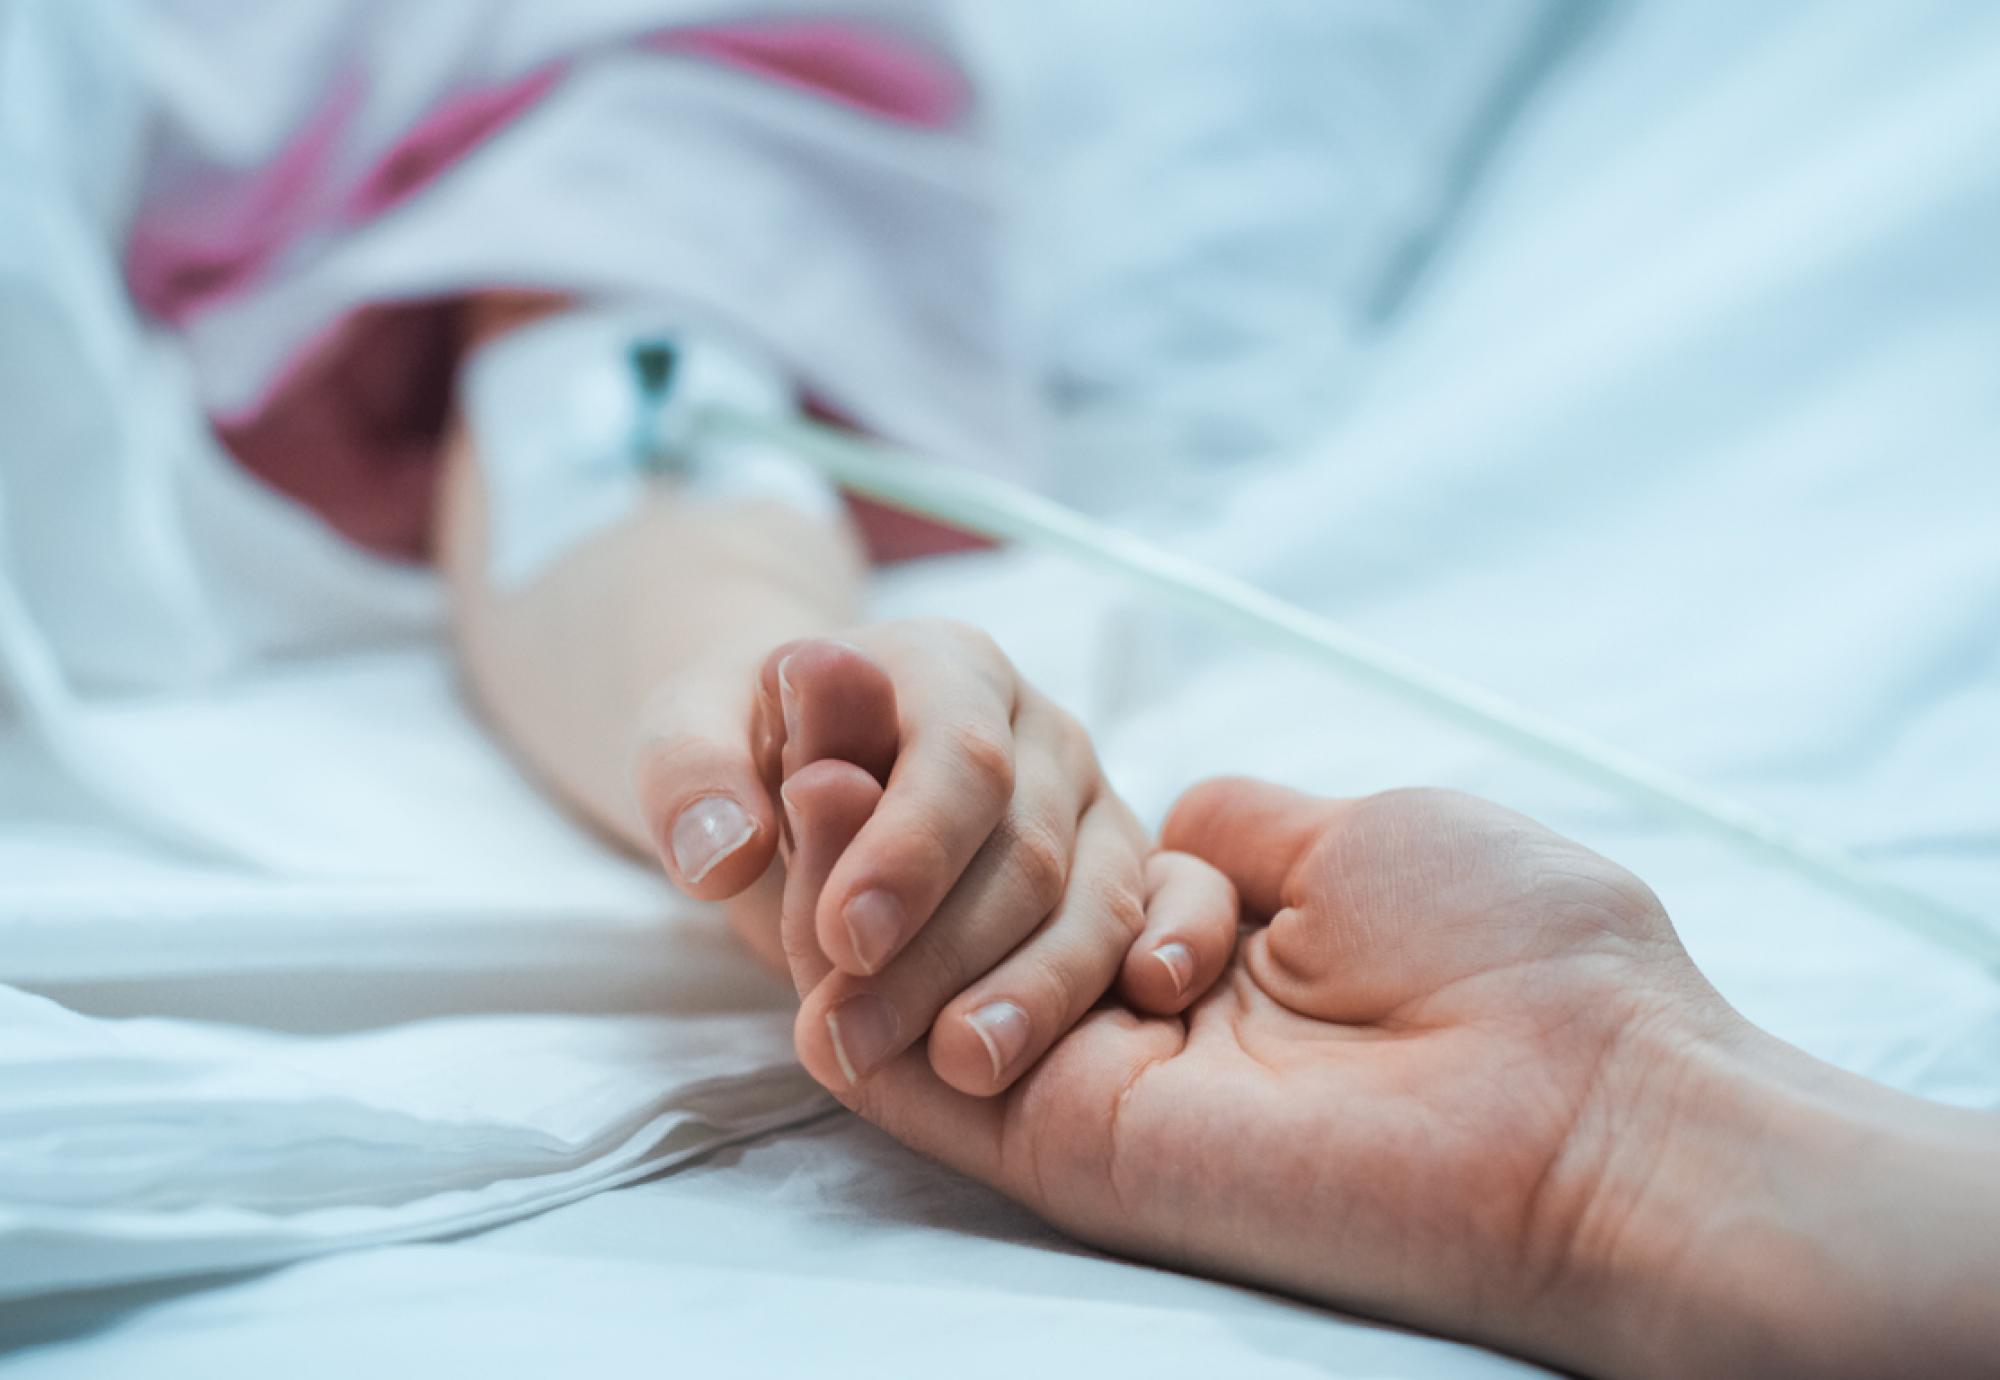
(1693, 438)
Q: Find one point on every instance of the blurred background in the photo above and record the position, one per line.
(1222, 205)
(1638, 360)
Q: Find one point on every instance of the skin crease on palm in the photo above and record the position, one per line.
(1415, 1046)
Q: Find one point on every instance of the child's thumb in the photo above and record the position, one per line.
(705, 803)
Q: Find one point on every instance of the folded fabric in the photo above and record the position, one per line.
(608, 1029)
(142, 1148)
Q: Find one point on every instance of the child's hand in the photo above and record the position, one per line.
(997, 888)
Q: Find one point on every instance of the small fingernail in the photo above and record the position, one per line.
(1003, 1028)
(863, 1029)
(874, 925)
(707, 832)
(788, 823)
(788, 699)
(1178, 960)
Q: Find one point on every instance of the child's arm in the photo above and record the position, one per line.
(676, 594)
(1001, 882)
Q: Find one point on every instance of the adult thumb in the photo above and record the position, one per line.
(1255, 833)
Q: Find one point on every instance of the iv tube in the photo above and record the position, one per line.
(1001, 511)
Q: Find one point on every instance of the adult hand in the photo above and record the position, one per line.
(1464, 1076)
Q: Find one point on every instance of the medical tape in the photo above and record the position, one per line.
(578, 417)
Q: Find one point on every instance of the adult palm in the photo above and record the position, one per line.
(1411, 1095)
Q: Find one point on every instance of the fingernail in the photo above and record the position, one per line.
(874, 925)
(707, 832)
(788, 699)
(1003, 1028)
(1178, 960)
(863, 1029)
(789, 836)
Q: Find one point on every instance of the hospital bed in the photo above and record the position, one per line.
(1688, 433)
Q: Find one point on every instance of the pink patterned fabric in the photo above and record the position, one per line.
(176, 265)
(352, 422)
(197, 249)
(463, 122)
(865, 68)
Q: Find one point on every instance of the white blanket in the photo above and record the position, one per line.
(479, 1012)
(1691, 437)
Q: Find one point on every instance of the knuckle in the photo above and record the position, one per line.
(926, 852)
(1056, 985)
(1125, 911)
(1065, 725)
(943, 968)
(1073, 743)
(986, 754)
(970, 638)
(1040, 857)
(972, 647)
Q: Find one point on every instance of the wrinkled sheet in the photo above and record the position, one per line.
(470, 1012)
(1690, 437)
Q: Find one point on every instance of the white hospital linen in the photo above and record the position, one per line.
(1627, 464)
(166, 1148)
(499, 1017)
(828, 1251)
(1227, 198)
